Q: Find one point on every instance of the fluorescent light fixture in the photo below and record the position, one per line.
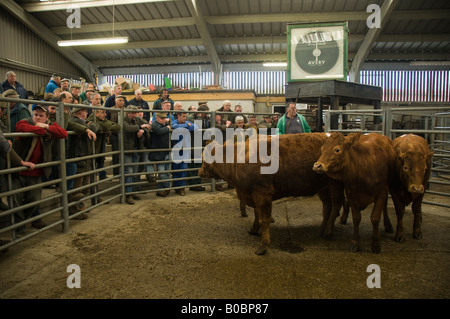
(98, 41)
(437, 63)
(275, 64)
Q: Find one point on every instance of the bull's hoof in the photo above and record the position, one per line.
(328, 236)
(417, 234)
(388, 228)
(343, 221)
(262, 250)
(253, 232)
(354, 248)
(376, 248)
(244, 215)
(272, 220)
(399, 238)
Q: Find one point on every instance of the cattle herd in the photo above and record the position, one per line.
(357, 169)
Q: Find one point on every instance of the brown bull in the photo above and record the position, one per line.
(294, 177)
(414, 168)
(365, 165)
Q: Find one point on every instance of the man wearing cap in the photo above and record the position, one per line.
(75, 89)
(53, 84)
(90, 88)
(38, 150)
(266, 124)
(160, 139)
(11, 84)
(80, 145)
(275, 119)
(114, 138)
(139, 101)
(5, 148)
(166, 107)
(64, 84)
(106, 128)
(164, 96)
(136, 133)
(18, 111)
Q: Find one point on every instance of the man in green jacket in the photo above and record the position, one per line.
(292, 122)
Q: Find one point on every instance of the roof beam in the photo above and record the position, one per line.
(62, 5)
(44, 33)
(230, 58)
(127, 25)
(364, 49)
(205, 36)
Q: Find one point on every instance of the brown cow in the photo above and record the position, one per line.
(414, 168)
(365, 165)
(294, 177)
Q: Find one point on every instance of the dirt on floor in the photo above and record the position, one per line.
(197, 247)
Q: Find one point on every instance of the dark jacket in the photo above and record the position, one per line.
(130, 139)
(23, 94)
(143, 105)
(105, 128)
(19, 112)
(157, 103)
(80, 145)
(159, 139)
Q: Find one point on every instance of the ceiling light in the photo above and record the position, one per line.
(98, 41)
(275, 64)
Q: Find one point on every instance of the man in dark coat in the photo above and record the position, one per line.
(11, 84)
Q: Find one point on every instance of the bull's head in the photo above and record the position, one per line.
(333, 152)
(413, 167)
(208, 154)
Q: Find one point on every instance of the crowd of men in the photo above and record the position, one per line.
(144, 129)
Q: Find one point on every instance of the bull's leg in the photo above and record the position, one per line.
(326, 230)
(242, 208)
(386, 220)
(256, 224)
(264, 212)
(375, 217)
(400, 212)
(417, 211)
(356, 217)
(346, 211)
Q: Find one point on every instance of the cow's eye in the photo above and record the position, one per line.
(337, 150)
(405, 168)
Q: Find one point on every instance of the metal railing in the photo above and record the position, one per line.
(431, 123)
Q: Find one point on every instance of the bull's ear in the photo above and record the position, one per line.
(351, 139)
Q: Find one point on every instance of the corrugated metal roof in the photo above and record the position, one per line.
(245, 30)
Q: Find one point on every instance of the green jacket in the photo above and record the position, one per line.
(106, 127)
(281, 126)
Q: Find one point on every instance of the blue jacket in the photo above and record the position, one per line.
(51, 86)
(19, 89)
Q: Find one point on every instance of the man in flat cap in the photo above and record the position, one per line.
(75, 89)
(18, 111)
(64, 84)
(160, 139)
(136, 133)
(38, 150)
(80, 145)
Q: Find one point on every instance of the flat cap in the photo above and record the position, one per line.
(10, 93)
(65, 79)
(78, 109)
(75, 86)
(120, 96)
(202, 102)
(132, 107)
(161, 115)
